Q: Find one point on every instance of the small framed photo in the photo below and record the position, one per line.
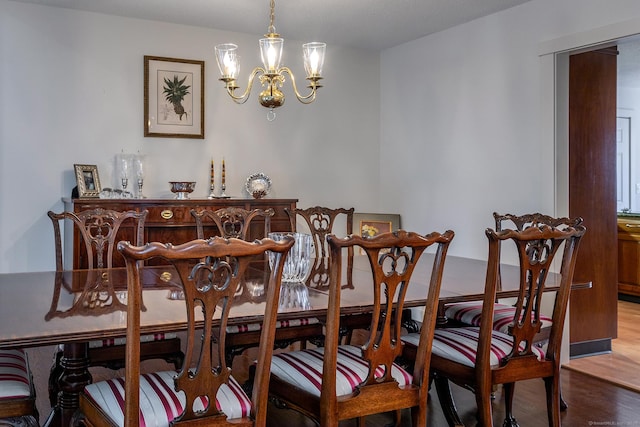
(87, 180)
(173, 97)
(372, 224)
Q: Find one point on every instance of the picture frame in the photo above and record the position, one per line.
(87, 180)
(372, 224)
(173, 97)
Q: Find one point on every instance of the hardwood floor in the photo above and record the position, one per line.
(622, 365)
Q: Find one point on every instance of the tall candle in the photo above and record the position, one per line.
(212, 172)
(223, 172)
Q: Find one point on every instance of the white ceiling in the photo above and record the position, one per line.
(366, 24)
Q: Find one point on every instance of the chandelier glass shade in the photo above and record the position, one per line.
(271, 74)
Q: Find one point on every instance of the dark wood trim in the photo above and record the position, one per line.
(590, 348)
(629, 298)
(592, 190)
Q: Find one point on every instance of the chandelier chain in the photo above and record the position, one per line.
(272, 17)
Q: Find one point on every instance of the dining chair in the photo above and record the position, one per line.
(17, 391)
(478, 358)
(231, 221)
(99, 230)
(320, 221)
(236, 222)
(207, 393)
(341, 381)
(468, 313)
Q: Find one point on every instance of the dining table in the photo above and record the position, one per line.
(76, 306)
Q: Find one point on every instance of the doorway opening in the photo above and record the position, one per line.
(625, 176)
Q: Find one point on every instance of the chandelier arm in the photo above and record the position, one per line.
(307, 99)
(243, 98)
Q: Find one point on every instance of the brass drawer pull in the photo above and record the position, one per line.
(166, 214)
(632, 225)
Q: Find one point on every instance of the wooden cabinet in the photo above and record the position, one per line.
(629, 255)
(170, 220)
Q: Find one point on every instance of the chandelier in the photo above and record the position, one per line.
(271, 74)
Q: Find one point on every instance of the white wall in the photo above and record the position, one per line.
(471, 111)
(629, 106)
(71, 91)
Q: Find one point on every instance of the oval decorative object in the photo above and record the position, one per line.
(258, 185)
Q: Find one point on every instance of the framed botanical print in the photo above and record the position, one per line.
(87, 180)
(173, 97)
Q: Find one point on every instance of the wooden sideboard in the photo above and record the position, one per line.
(170, 220)
(629, 255)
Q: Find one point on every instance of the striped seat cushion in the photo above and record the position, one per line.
(469, 313)
(252, 327)
(111, 342)
(461, 345)
(159, 402)
(15, 377)
(303, 369)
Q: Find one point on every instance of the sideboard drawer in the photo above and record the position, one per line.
(170, 220)
(170, 215)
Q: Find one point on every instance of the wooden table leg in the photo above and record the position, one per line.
(75, 376)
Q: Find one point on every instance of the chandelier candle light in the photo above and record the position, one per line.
(271, 73)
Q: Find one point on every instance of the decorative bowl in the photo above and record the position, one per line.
(182, 188)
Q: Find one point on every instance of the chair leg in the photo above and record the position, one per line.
(397, 415)
(348, 336)
(176, 359)
(397, 418)
(552, 386)
(563, 403)
(418, 415)
(508, 390)
(78, 420)
(483, 402)
(446, 401)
